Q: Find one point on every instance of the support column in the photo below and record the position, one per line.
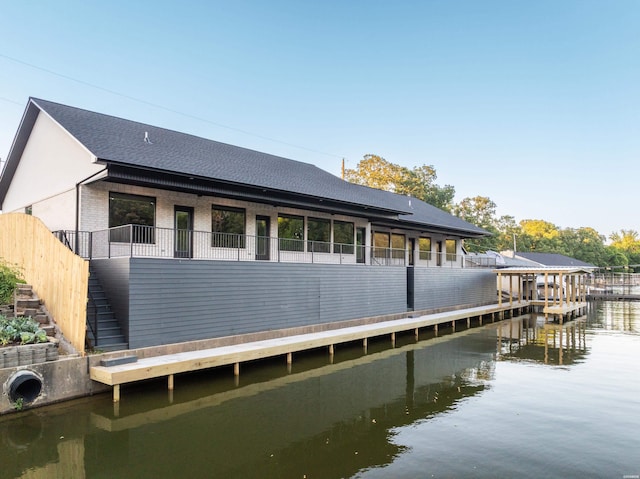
(170, 382)
(116, 392)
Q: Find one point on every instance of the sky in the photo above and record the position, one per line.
(534, 104)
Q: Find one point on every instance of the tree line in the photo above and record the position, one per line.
(530, 235)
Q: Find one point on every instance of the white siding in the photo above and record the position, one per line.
(51, 165)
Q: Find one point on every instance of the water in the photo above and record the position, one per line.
(488, 402)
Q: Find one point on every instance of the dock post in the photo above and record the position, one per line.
(236, 369)
(364, 345)
(468, 322)
(393, 340)
(170, 382)
(435, 328)
(453, 325)
(331, 350)
(417, 333)
(480, 318)
(116, 392)
(289, 358)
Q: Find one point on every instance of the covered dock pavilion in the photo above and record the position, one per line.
(563, 291)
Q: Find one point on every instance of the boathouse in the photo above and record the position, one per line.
(190, 239)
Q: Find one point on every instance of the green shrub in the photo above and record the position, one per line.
(21, 330)
(9, 277)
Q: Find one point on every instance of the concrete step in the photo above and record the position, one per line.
(114, 347)
(109, 340)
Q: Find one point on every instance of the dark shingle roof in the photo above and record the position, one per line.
(554, 259)
(122, 142)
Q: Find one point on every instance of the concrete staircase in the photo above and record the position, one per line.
(104, 332)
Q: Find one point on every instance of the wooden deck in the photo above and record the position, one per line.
(171, 364)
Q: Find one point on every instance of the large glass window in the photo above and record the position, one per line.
(318, 235)
(228, 227)
(398, 246)
(291, 233)
(424, 244)
(343, 237)
(381, 244)
(451, 248)
(139, 211)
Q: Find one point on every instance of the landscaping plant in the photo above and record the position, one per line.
(9, 278)
(20, 331)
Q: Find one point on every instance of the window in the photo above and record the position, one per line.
(381, 245)
(139, 211)
(343, 237)
(318, 235)
(424, 244)
(291, 233)
(397, 246)
(28, 210)
(451, 247)
(227, 227)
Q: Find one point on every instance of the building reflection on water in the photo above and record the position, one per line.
(533, 337)
(318, 419)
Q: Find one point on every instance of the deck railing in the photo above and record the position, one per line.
(147, 241)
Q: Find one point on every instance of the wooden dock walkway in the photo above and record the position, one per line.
(608, 296)
(170, 364)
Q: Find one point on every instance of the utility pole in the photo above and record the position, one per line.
(343, 168)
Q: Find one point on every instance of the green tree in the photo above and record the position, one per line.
(540, 236)
(584, 244)
(628, 243)
(419, 182)
(479, 211)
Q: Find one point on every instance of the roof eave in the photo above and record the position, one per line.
(18, 145)
(119, 171)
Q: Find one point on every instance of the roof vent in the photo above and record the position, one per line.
(146, 138)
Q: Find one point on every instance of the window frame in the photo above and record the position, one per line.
(229, 239)
(424, 254)
(319, 245)
(291, 243)
(451, 256)
(142, 233)
(342, 247)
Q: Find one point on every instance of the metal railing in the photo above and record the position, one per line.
(147, 241)
(479, 262)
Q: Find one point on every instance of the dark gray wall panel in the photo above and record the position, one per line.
(436, 288)
(182, 300)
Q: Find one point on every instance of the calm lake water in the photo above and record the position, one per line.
(513, 399)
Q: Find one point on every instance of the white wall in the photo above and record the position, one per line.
(51, 165)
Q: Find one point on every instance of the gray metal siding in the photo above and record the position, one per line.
(182, 300)
(435, 288)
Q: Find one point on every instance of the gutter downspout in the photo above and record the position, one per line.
(78, 203)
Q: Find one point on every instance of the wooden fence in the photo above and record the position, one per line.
(57, 275)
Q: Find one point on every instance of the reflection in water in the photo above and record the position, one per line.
(534, 338)
(316, 418)
(322, 420)
(616, 315)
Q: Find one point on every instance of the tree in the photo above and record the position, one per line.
(419, 182)
(479, 211)
(584, 244)
(628, 243)
(539, 235)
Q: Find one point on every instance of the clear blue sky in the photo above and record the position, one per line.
(535, 104)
